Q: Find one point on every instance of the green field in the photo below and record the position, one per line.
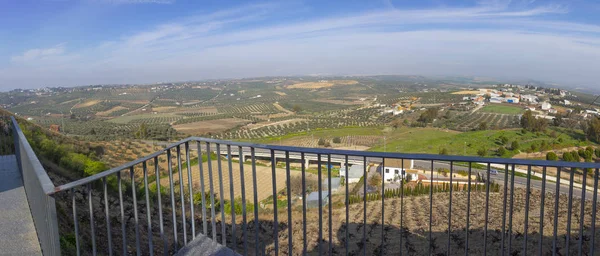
(502, 109)
(432, 141)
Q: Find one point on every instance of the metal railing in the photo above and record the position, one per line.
(254, 199)
(159, 203)
(39, 189)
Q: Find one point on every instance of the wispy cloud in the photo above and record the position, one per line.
(501, 38)
(37, 54)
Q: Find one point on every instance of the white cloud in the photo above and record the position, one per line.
(513, 42)
(36, 54)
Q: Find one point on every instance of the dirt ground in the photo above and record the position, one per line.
(263, 179)
(87, 104)
(110, 111)
(202, 127)
(466, 92)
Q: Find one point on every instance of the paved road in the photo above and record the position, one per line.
(17, 231)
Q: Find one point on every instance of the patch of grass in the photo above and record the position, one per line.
(502, 109)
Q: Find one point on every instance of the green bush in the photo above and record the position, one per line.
(551, 156)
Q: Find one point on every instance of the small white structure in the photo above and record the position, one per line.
(552, 111)
(395, 169)
(354, 174)
(529, 98)
(567, 102)
(546, 106)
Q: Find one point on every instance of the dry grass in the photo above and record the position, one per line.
(323, 84)
(465, 92)
(280, 93)
(87, 104)
(110, 111)
(163, 109)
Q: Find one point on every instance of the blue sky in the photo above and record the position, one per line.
(68, 43)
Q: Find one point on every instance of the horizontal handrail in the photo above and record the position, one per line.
(45, 182)
(325, 151)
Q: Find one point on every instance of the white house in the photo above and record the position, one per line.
(567, 102)
(546, 106)
(395, 169)
(512, 100)
(529, 98)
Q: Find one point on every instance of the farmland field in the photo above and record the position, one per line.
(212, 126)
(502, 109)
(324, 84)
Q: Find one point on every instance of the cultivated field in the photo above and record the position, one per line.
(323, 84)
(87, 104)
(412, 238)
(207, 126)
(502, 109)
(465, 92)
(110, 111)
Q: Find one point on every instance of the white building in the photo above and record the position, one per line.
(567, 102)
(395, 169)
(546, 106)
(529, 98)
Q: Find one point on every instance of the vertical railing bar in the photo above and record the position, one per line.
(582, 210)
(159, 202)
(320, 193)
(221, 199)
(542, 204)
(347, 202)
(512, 201)
(289, 201)
(212, 193)
(430, 238)
(594, 202)
(190, 188)
(487, 208)
(527, 195)
(181, 195)
(256, 223)
(123, 224)
(403, 177)
(243, 188)
(569, 210)
(303, 203)
(202, 188)
(329, 203)
(148, 215)
(450, 210)
(231, 196)
(275, 221)
(364, 240)
(135, 212)
(172, 190)
(382, 205)
(468, 209)
(92, 225)
(75, 221)
(556, 201)
(504, 207)
(106, 213)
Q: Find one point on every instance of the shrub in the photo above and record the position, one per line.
(444, 151)
(482, 152)
(514, 145)
(501, 151)
(337, 140)
(551, 156)
(321, 142)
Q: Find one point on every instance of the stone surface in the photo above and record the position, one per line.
(202, 245)
(17, 231)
